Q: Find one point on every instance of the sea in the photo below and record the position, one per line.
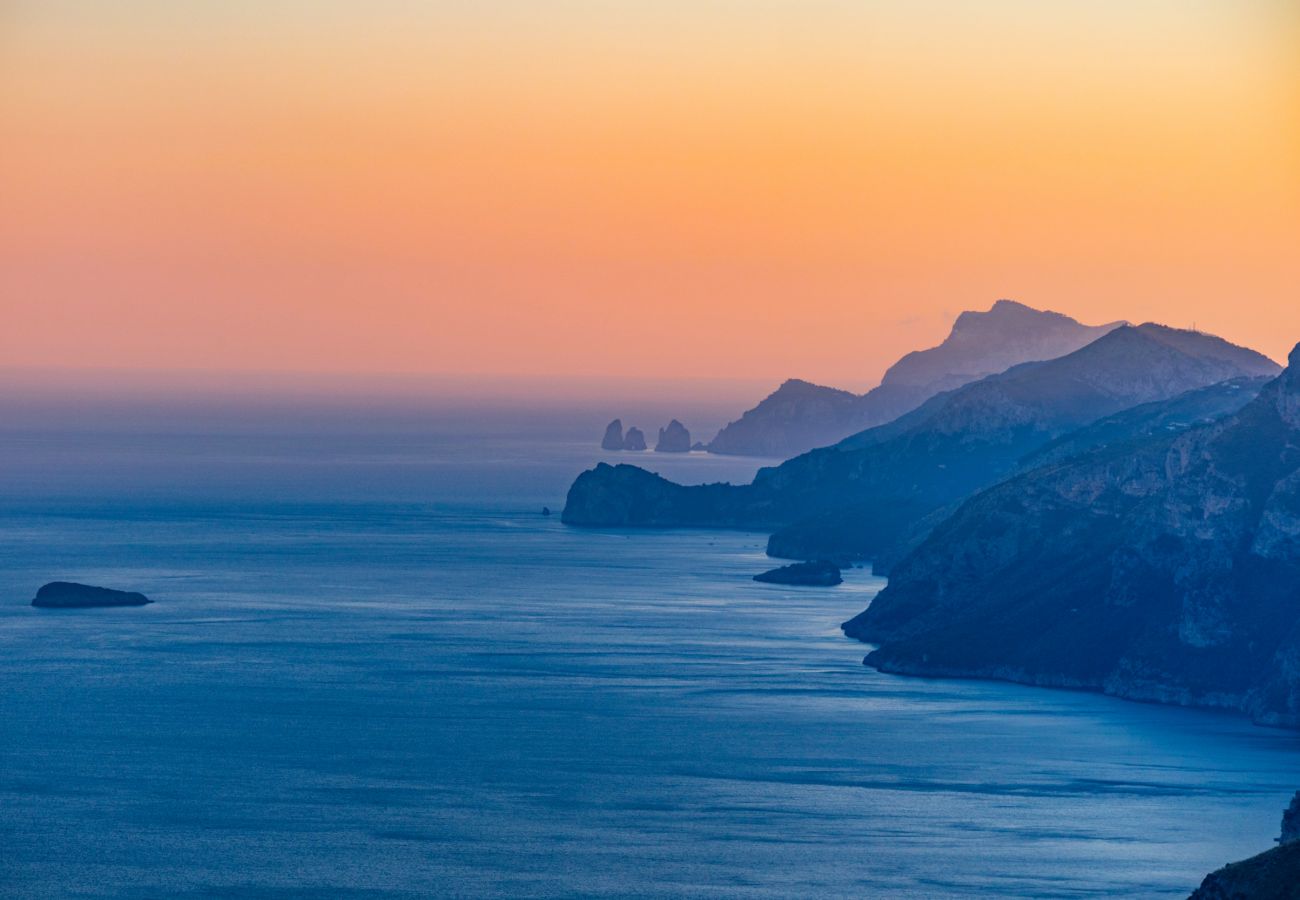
(375, 669)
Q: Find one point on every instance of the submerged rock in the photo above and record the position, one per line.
(613, 439)
(634, 439)
(819, 573)
(69, 595)
(673, 439)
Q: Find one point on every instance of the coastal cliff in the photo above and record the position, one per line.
(1165, 569)
(857, 499)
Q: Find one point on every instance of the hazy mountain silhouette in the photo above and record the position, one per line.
(857, 498)
(800, 416)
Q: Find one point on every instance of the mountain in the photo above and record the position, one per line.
(1195, 407)
(986, 343)
(857, 498)
(874, 486)
(1166, 569)
(800, 415)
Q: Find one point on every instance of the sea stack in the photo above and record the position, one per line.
(634, 439)
(613, 439)
(674, 439)
(69, 595)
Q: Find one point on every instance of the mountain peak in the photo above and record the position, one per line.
(985, 342)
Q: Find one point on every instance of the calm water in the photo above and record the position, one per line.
(374, 669)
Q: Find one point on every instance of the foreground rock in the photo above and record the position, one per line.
(613, 439)
(674, 439)
(1272, 875)
(800, 416)
(1166, 569)
(810, 574)
(69, 595)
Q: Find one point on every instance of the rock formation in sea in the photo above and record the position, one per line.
(1271, 875)
(70, 595)
(858, 499)
(1163, 569)
(613, 439)
(673, 439)
(816, 573)
(800, 416)
(634, 439)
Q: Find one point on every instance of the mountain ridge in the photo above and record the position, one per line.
(800, 415)
(896, 475)
(1164, 571)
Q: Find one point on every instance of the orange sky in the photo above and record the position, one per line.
(748, 189)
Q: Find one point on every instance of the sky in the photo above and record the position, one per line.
(662, 189)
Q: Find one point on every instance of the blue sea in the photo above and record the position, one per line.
(374, 669)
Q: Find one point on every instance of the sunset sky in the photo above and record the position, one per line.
(672, 187)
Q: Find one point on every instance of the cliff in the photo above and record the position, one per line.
(1165, 569)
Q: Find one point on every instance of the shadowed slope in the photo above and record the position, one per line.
(1166, 569)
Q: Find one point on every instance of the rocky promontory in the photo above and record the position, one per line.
(70, 595)
(816, 573)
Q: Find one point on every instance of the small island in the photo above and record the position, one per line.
(818, 573)
(69, 595)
